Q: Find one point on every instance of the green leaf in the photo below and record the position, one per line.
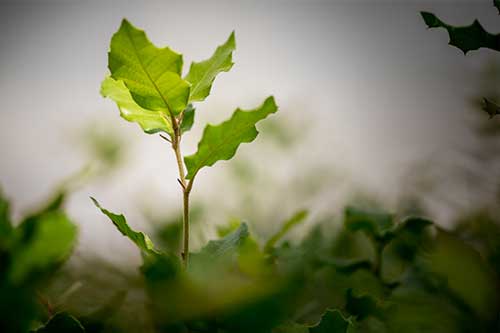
(140, 239)
(187, 119)
(491, 107)
(5, 222)
(496, 3)
(333, 322)
(378, 224)
(43, 242)
(151, 74)
(296, 219)
(466, 38)
(226, 245)
(220, 142)
(62, 323)
(202, 74)
(150, 121)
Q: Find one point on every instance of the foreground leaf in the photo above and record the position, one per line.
(202, 74)
(151, 74)
(43, 242)
(467, 38)
(62, 323)
(220, 142)
(150, 121)
(140, 239)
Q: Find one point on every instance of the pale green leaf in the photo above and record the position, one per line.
(151, 74)
(202, 74)
(149, 120)
(220, 142)
(140, 239)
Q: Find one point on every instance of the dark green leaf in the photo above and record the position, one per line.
(333, 322)
(151, 74)
(188, 118)
(62, 323)
(202, 74)
(221, 142)
(140, 239)
(496, 3)
(296, 219)
(466, 38)
(491, 107)
(5, 222)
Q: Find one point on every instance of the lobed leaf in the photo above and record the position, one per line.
(333, 321)
(202, 74)
(466, 38)
(220, 142)
(150, 121)
(140, 239)
(151, 74)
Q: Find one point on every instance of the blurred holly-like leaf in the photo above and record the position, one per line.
(491, 107)
(334, 321)
(293, 221)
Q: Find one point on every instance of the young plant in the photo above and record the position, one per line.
(146, 83)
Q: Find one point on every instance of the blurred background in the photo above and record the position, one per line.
(374, 109)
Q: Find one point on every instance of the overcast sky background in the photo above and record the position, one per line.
(375, 89)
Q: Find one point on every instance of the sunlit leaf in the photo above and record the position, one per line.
(149, 120)
(140, 239)
(220, 142)
(202, 74)
(466, 38)
(151, 74)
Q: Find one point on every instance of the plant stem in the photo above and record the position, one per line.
(186, 190)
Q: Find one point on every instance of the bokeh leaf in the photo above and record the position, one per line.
(151, 74)
(149, 120)
(466, 38)
(62, 322)
(378, 224)
(295, 220)
(333, 322)
(140, 239)
(42, 242)
(491, 107)
(202, 74)
(220, 142)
